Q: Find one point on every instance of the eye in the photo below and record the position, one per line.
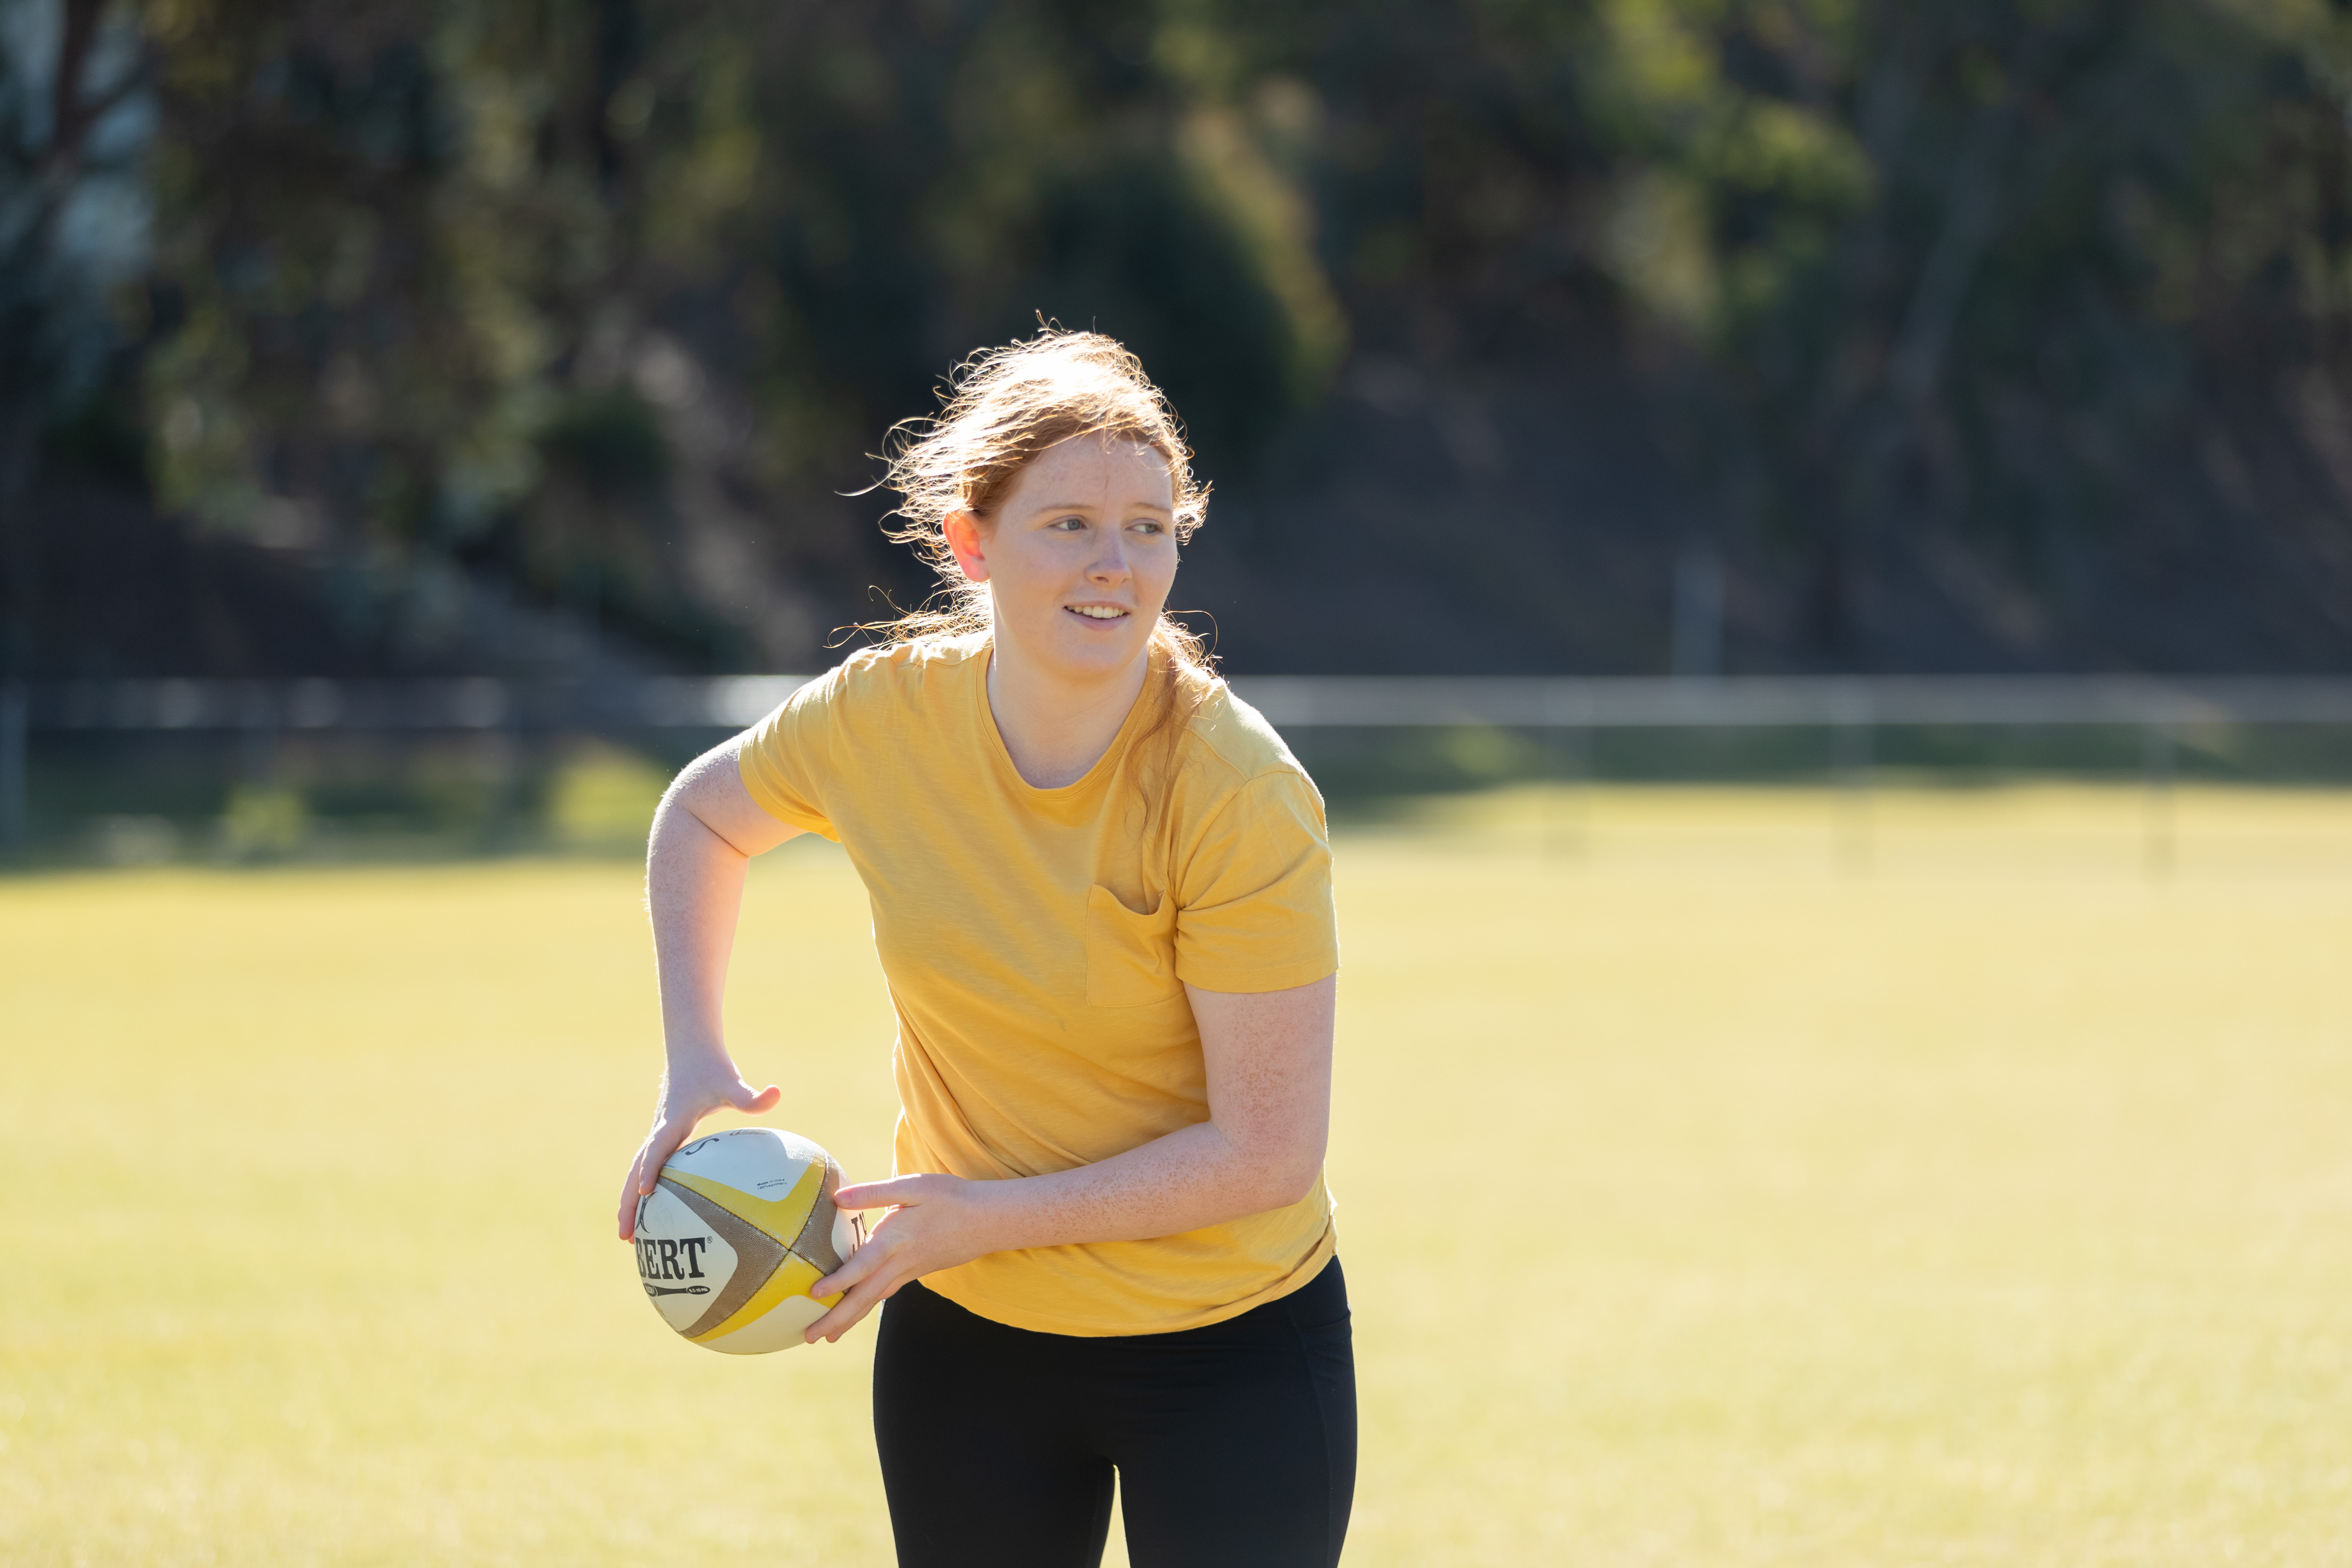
(1068, 525)
(1145, 525)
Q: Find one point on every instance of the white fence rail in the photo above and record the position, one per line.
(1850, 708)
(1769, 701)
(478, 703)
(1288, 701)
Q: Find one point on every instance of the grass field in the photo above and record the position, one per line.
(1719, 1185)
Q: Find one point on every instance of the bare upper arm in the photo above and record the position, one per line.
(710, 789)
(1268, 1056)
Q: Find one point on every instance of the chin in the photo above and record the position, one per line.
(1094, 655)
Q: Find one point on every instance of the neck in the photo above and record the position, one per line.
(1055, 728)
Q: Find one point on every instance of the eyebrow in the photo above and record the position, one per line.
(1089, 505)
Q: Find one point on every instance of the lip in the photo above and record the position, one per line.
(1126, 611)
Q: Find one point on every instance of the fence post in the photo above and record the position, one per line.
(1851, 761)
(16, 721)
(1568, 800)
(258, 736)
(2157, 768)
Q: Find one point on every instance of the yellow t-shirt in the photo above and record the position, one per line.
(1036, 946)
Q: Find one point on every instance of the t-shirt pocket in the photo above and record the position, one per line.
(1131, 957)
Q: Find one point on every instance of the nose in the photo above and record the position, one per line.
(1109, 566)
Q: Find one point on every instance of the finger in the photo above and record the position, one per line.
(897, 1190)
(627, 1217)
(847, 1278)
(846, 1312)
(880, 1296)
(742, 1099)
(664, 1142)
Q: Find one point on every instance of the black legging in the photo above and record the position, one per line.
(1234, 1444)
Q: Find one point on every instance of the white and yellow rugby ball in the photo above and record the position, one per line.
(740, 1227)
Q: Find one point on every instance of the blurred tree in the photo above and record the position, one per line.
(367, 258)
(1978, 275)
(70, 71)
(1976, 295)
(426, 254)
(1985, 305)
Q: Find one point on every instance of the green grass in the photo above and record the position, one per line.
(1711, 1193)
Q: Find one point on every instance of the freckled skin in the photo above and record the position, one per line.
(1090, 523)
(1087, 524)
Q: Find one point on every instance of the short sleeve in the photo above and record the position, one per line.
(1254, 897)
(786, 758)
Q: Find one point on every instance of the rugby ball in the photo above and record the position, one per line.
(738, 1227)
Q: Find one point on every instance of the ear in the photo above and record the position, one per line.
(966, 543)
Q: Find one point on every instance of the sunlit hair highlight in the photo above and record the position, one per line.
(1004, 408)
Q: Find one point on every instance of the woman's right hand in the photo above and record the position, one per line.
(685, 1102)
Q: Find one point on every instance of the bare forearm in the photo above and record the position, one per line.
(705, 833)
(1268, 1061)
(694, 892)
(1191, 1178)
(1269, 1065)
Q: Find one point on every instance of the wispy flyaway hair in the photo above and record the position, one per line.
(1004, 408)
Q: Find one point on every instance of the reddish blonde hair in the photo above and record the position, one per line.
(1004, 407)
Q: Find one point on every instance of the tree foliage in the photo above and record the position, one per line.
(610, 297)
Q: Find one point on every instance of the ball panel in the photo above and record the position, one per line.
(781, 1216)
(761, 1161)
(683, 1263)
(781, 1290)
(780, 1330)
(816, 1240)
(848, 1234)
(757, 1254)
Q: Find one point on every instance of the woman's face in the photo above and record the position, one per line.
(1079, 558)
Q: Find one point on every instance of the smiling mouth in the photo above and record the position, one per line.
(1097, 611)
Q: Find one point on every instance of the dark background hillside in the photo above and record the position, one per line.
(1753, 336)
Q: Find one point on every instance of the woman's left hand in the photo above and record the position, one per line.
(935, 1222)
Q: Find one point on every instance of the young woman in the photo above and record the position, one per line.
(1101, 894)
